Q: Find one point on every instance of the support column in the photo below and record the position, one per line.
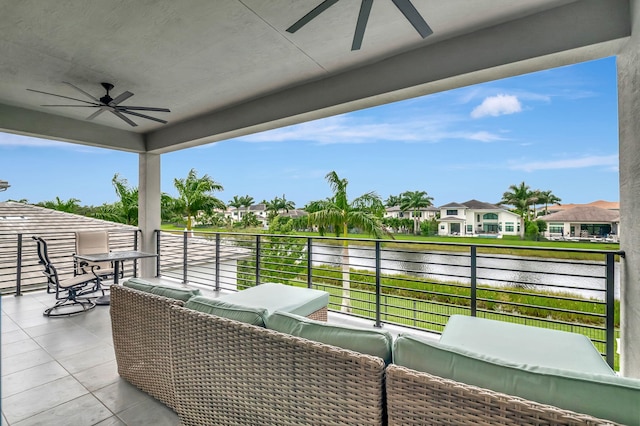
(149, 218)
(628, 63)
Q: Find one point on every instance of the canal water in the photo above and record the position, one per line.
(583, 278)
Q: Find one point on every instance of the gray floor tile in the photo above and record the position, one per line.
(83, 411)
(99, 376)
(9, 325)
(4, 421)
(16, 348)
(52, 326)
(111, 421)
(90, 358)
(41, 398)
(150, 412)
(31, 377)
(24, 360)
(64, 344)
(14, 336)
(12, 304)
(120, 396)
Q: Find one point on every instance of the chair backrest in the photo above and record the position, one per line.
(49, 270)
(93, 242)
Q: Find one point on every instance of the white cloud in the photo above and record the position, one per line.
(497, 105)
(608, 161)
(484, 136)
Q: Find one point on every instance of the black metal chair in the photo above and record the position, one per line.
(71, 294)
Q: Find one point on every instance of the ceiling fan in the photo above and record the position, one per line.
(107, 103)
(405, 6)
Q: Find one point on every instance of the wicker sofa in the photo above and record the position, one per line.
(215, 370)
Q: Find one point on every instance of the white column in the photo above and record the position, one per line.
(148, 208)
(628, 62)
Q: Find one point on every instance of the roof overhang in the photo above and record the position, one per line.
(227, 69)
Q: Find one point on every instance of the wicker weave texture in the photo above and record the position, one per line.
(319, 315)
(416, 398)
(231, 373)
(141, 339)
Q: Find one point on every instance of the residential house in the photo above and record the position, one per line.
(583, 222)
(423, 213)
(477, 218)
(237, 213)
(609, 205)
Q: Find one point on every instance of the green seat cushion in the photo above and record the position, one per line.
(605, 396)
(523, 344)
(249, 315)
(279, 297)
(182, 294)
(372, 342)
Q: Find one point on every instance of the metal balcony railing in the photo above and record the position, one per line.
(409, 283)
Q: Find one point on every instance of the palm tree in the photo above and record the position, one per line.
(126, 209)
(393, 200)
(546, 198)
(414, 201)
(338, 213)
(520, 197)
(246, 201)
(194, 195)
(236, 202)
(70, 206)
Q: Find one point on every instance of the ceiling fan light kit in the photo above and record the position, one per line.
(405, 6)
(107, 103)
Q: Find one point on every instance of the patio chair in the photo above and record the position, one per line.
(70, 293)
(93, 242)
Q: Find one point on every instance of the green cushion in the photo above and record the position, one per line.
(279, 297)
(161, 290)
(523, 344)
(608, 397)
(372, 342)
(249, 315)
(138, 284)
(175, 293)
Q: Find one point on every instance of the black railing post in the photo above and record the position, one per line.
(218, 262)
(474, 279)
(258, 259)
(610, 309)
(309, 263)
(135, 247)
(19, 267)
(378, 291)
(158, 252)
(184, 257)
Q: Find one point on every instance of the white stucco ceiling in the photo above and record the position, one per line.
(228, 67)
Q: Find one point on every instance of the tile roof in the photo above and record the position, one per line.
(584, 214)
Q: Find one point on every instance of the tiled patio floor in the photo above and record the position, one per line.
(62, 371)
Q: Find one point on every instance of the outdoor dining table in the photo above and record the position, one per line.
(115, 257)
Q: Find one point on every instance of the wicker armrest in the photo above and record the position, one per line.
(141, 339)
(417, 398)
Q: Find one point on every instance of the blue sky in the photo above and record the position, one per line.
(555, 130)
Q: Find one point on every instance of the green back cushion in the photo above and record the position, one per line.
(255, 316)
(138, 284)
(372, 342)
(605, 396)
(161, 290)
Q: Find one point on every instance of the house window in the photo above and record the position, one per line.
(508, 227)
(556, 228)
(452, 212)
(442, 227)
(518, 226)
(478, 220)
(469, 229)
(490, 216)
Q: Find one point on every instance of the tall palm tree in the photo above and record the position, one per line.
(393, 200)
(246, 201)
(414, 201)
(520, 197)
(236, 202)
(194, 195)
(70, 206)
(546, 198)
(339, 213)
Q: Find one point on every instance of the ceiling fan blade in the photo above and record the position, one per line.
(121, 97)
(95, 114)
(148, 117)
(363, 17)
(75, 106)
(309, 16)
(414, 17)
(93, 98)
(65, 97)
(137, 108)
(117, 113)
